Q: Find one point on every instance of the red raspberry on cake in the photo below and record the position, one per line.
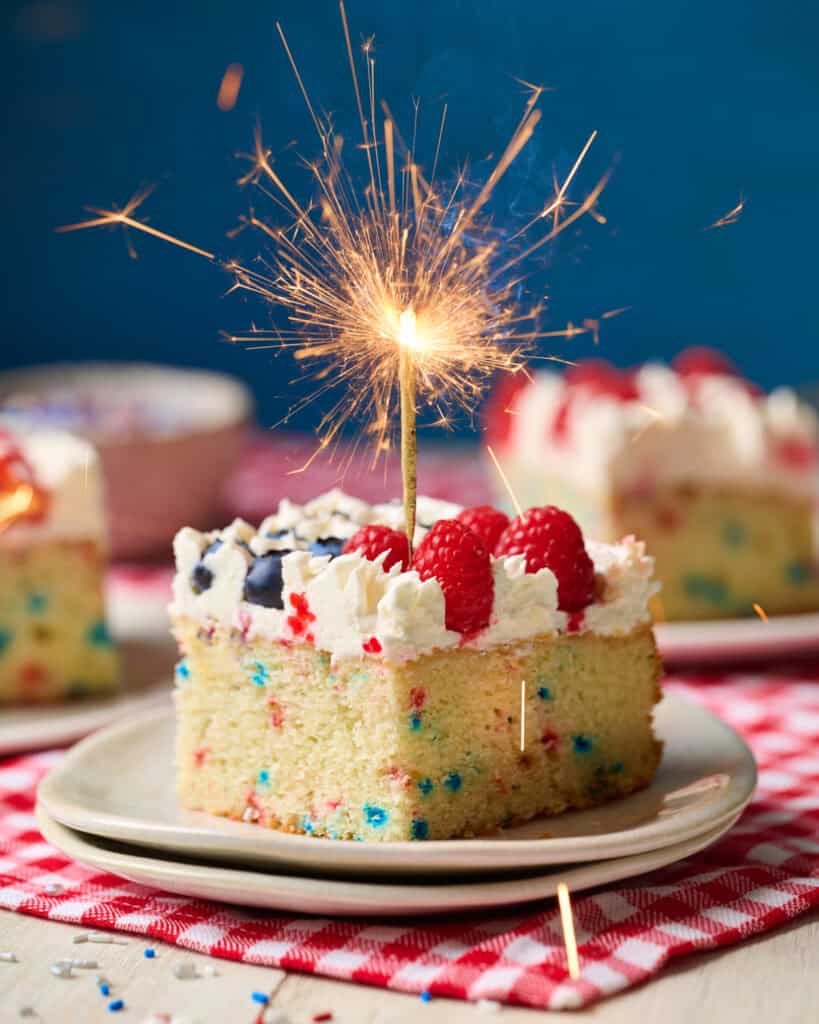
(700, 360)
(372, 541)
(601, 378)
(487, 522)
(456, 557)
(549, 538)
(500, 408)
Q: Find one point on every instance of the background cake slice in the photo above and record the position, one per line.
(344, 695)
(720, 480)
(54, 641)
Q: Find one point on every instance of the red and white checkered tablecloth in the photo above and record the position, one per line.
(763, 872)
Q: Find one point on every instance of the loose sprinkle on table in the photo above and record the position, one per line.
(7, 957)
(260, 997)
(115, 1005)
(100, 937)
(426, 996)
(149, 953)
(105, 989)
(488, 1006)
(186, 971)
(326, 1015)
(61, 970)
(83, 965)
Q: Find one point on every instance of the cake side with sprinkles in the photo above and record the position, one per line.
(373, 703)
(54, 641)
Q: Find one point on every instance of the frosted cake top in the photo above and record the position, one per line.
(290, 580)
(697, 421)
(50, 488)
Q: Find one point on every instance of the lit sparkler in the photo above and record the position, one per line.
(399, 291)
(760, 611)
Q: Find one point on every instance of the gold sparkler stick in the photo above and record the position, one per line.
(407, 379)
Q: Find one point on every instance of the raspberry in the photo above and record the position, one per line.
(487, 522)
(601, 378)
(459, 560)
(699, 360)
(500, 408)
(550, 537)
(371, 541)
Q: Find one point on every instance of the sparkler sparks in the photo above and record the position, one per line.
(229, 87)
(567, 922)
(760, 612)
(731, 217)
(522, 715)
(505, 481)
(400, 291)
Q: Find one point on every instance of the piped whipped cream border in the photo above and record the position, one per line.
(356, 608)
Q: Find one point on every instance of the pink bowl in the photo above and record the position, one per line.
(167, 438)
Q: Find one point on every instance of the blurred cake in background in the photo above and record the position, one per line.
(718, 478)
(54, 642)
(167, 438)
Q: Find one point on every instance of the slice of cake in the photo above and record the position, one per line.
(53, 638)
(327, 687)
(718, 479)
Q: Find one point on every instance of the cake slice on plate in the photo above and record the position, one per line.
(54, 642)
(718, 479)
(328, 687)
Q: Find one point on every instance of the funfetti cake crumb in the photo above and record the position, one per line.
(324, 691)
(54, 641)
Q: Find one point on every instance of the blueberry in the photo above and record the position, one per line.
(202, 577)
(263, 583)
(327, 546)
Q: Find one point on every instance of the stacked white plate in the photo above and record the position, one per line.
(110, 803)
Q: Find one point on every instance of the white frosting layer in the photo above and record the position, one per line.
(67, 468)
(714, 433)
(354, 607)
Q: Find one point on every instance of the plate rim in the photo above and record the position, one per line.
(454, 898)
(438, 855)
(738, 638)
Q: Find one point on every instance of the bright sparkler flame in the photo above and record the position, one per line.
(402, 266)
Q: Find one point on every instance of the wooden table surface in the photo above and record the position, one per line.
(773, 978)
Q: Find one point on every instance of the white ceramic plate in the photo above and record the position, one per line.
(144, 686)
(736, 639)
(119, 785)
(344, 897)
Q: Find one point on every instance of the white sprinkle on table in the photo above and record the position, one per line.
(7, 957)
(186, 971)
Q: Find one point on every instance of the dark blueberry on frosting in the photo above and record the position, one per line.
(331, 546)
(202, 577)
(278, 534)
(263, 583)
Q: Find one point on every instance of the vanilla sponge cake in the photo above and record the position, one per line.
(719, 480)
(54, 642)
(346, 706)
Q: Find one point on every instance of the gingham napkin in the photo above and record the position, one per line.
(764, 872)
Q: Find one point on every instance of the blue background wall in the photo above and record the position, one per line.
(699, 101)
